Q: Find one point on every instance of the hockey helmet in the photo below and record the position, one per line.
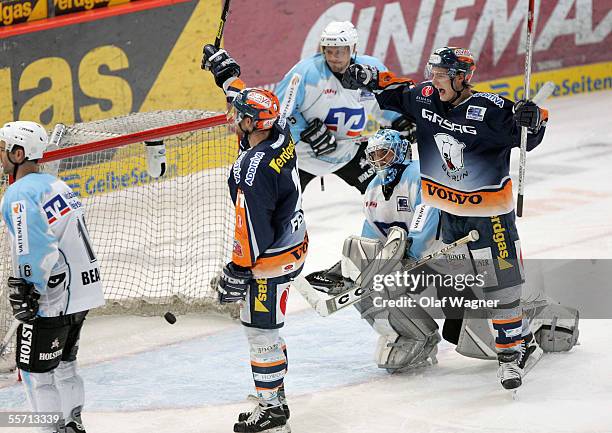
(385, 150)
(454, 59)
(340, 34)
(261, 105)
(31, 136)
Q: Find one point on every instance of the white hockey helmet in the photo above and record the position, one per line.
(340, 34)
(31, 136)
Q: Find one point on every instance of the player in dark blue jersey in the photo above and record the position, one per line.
(270, 240)
(464, 141)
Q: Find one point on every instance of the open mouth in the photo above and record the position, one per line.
(441, 91)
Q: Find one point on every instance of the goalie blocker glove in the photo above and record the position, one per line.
(222, 66)
(319, 138)
(528, 115)
(23, 299)
(360, 76)
(234, 283)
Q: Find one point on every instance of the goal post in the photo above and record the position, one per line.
(161, 243)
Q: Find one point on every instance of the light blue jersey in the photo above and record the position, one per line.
(316, 93)
(50, 246)
(402, 208)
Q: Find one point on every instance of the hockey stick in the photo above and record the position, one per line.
(523, 161)
(325, 307)
(217, 44)
(9, 335)
(224, 14)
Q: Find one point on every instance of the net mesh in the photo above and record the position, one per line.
(161, 243)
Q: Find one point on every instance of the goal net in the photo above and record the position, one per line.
(161, 243)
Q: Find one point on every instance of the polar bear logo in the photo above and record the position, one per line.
(451, 151)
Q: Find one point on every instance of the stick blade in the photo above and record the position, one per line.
(544, 92)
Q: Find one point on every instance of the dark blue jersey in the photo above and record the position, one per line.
(270, 232)
(464, 151)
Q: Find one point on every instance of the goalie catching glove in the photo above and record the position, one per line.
(319, 138)
(23, 299)
(222, 66)
(234, 283)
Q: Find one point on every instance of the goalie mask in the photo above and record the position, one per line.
(385, 151)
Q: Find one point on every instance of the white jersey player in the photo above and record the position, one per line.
(327, 119)
(56, 275)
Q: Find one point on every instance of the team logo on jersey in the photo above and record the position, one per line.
(451, 151)
(349, 121)
(427, 91)
(56, 208)
(475, 112)
(403, 204)
(20, 226)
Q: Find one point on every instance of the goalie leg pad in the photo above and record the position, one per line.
(555, 326)
(476, 339)
(408, 335)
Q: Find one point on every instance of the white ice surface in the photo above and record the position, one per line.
(143, 375)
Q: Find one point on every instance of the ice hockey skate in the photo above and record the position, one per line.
(281, 396)
(263, 418)
(510, 372)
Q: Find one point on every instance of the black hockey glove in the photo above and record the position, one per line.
(234, 283)
(23, 299)
(360, 76)
(219, 62)
(405, 127)
(319, 137)
(527, 114)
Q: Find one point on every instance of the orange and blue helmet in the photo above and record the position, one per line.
(261, 105)
(454, 59)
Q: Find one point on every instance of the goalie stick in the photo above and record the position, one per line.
(325, 307)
